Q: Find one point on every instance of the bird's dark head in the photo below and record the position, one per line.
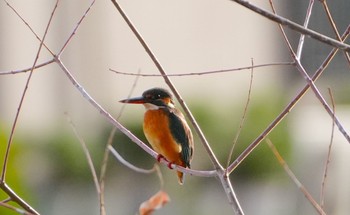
(153, 99)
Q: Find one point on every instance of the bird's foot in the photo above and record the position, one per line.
(169, 165)
(160, 157)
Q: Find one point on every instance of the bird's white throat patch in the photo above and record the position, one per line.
(150, 106)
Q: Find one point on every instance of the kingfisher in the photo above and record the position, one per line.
(165, 128)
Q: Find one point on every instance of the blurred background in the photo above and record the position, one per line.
(47, 166)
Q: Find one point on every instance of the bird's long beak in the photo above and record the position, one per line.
(136, 100)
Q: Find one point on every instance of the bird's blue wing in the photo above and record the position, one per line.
(182, 134)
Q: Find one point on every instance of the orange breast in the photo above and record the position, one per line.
(157, 132)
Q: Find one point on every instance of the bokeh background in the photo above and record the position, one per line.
(47, 166)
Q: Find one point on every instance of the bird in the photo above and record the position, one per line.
(165, 128)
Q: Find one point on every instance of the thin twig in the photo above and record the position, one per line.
(287, 109)
(306, 23)
(294, 178)
(206, 72)
(76, 28)
(30, 28)
(243, 117)
(294, 26)
(128, 164)
(323, 185)
(27, 69)
(87, 154)
(104, 171)
(335, 29)
(17, 210)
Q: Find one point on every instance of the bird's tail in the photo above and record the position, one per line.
(181, 177)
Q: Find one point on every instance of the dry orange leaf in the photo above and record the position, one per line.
(154, 203)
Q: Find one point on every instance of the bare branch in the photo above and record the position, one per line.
(87, 154)
(328, 154)
(294, 178)
(15, 198)
(294, 26)
(127, 164)
(76, 28)
(205, 73)
(243, 117)
(17, 210)
(30, 28)
(335, 29)
(306, 23)
(27, 69)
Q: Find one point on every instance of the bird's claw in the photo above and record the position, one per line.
(160, 157)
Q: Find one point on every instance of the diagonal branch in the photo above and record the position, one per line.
(26, 23)
(76, 28)
(14, 197)
(335, 29)
(294, 26)
(294, 178)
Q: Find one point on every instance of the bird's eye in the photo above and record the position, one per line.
(153, 97)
